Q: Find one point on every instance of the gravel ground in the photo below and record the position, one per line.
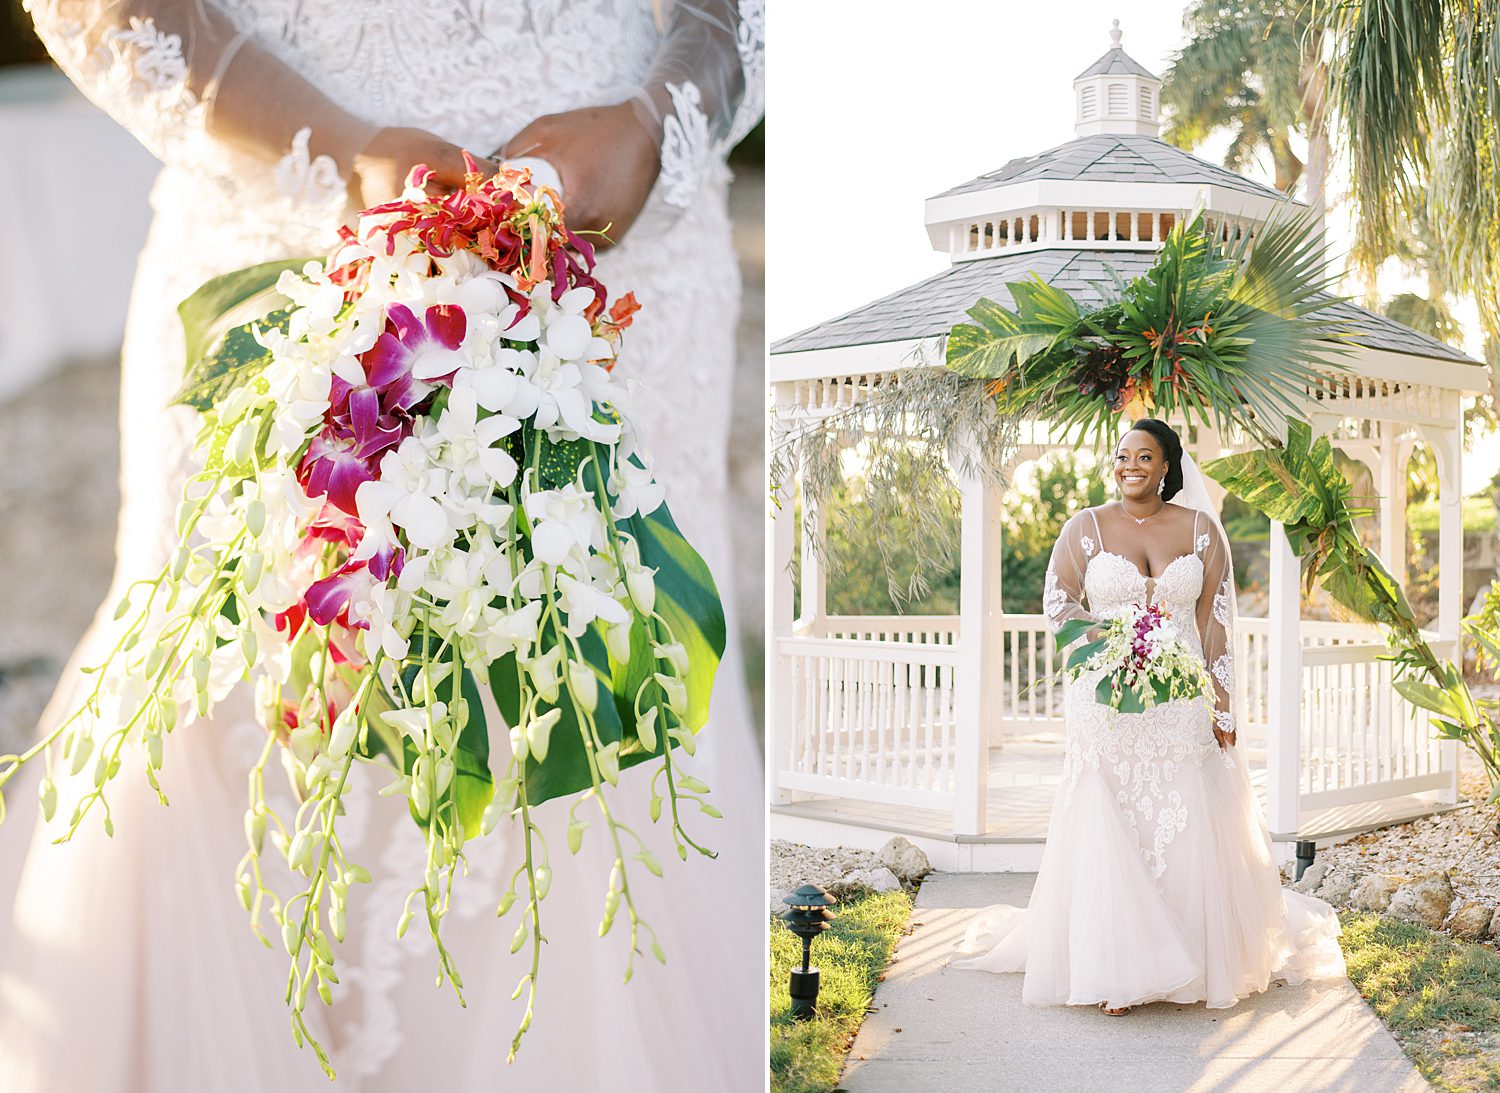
(59, 493)
(1462, 841)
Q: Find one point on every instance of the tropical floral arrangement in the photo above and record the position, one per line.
(422, 488)
(1228, 335)
(1140, 657)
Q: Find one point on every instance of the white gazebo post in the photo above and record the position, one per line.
(1447, 447)
(976, 696)
(814, 535)
(781, 540)
(1284, 697)
(1391, 485)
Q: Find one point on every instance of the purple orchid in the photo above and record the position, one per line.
(424, 351)
(328, 600)
(337, 463)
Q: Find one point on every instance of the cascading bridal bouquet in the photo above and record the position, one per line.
(421, 486)
(1142, 659)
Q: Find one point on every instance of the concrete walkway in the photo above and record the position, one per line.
(936, 1029)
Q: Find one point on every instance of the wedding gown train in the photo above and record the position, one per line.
(127, 965)
(1157, 882)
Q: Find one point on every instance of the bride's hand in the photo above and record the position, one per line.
(1225, 739)
(380, 169)
(606, 159)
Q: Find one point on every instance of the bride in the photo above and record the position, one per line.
(1157, 882)
(127, 966)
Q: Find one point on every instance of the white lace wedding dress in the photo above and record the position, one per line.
(127, 966)
(1157, 882)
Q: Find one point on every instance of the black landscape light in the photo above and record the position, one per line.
(807, 917)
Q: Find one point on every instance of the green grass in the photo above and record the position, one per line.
(1479, 516)
(807, 1056)
(1438, 995)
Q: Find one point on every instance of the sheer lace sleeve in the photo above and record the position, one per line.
(175, 72)
(1062, 594)
(706, 87)
(1216, 618)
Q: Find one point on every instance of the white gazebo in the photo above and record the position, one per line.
(929, 726)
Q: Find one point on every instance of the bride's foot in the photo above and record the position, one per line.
(1118, 1011)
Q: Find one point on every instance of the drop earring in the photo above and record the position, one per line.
(1161, 487)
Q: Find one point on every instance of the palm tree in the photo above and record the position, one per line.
(1249, 66)
(1417, 84)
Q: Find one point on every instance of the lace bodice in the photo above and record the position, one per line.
(1113, 584)
(1085, 580)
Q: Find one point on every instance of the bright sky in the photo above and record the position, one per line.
(879, 105)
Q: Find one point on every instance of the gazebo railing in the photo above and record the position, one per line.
(1359, 740)
(870, 710)
(924, 629)
(870, 720)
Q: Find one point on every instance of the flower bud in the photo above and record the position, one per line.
(518, 743)
(543, 882)
(404, 922)
(617, 640)
(676, 692)
(642, 588)
(585, 685)
(251, 567)
(300, 855)
(341, 739)
(185, 510)
(651, 862)
(691, 784)
(539, 733)
(241, 446)
(123, 607)
(82, 746)
(608, 758)
(255, 829)
(255, 517)
(685, 737)
(575, 835)
(47, 791)
(519, 938)
(645, 728)
(674, 654)
(445, 771)
(244, 891)
(507, 901)
(179, 563)
(153, 750)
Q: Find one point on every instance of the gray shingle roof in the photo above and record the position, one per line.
(1116, 62)
(932, 306)
(1116, 157)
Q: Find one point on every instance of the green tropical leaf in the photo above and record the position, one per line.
(1078, 657)
(1428, 696)
(218, 323)
(1071, 631)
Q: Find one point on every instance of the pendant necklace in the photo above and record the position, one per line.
(1140, 519)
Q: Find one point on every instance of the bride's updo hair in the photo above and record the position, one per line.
(1171, 451)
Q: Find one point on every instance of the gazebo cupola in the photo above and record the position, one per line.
(1117, 94)
(1116, 186)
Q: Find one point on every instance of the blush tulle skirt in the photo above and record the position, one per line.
(1171, 896)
